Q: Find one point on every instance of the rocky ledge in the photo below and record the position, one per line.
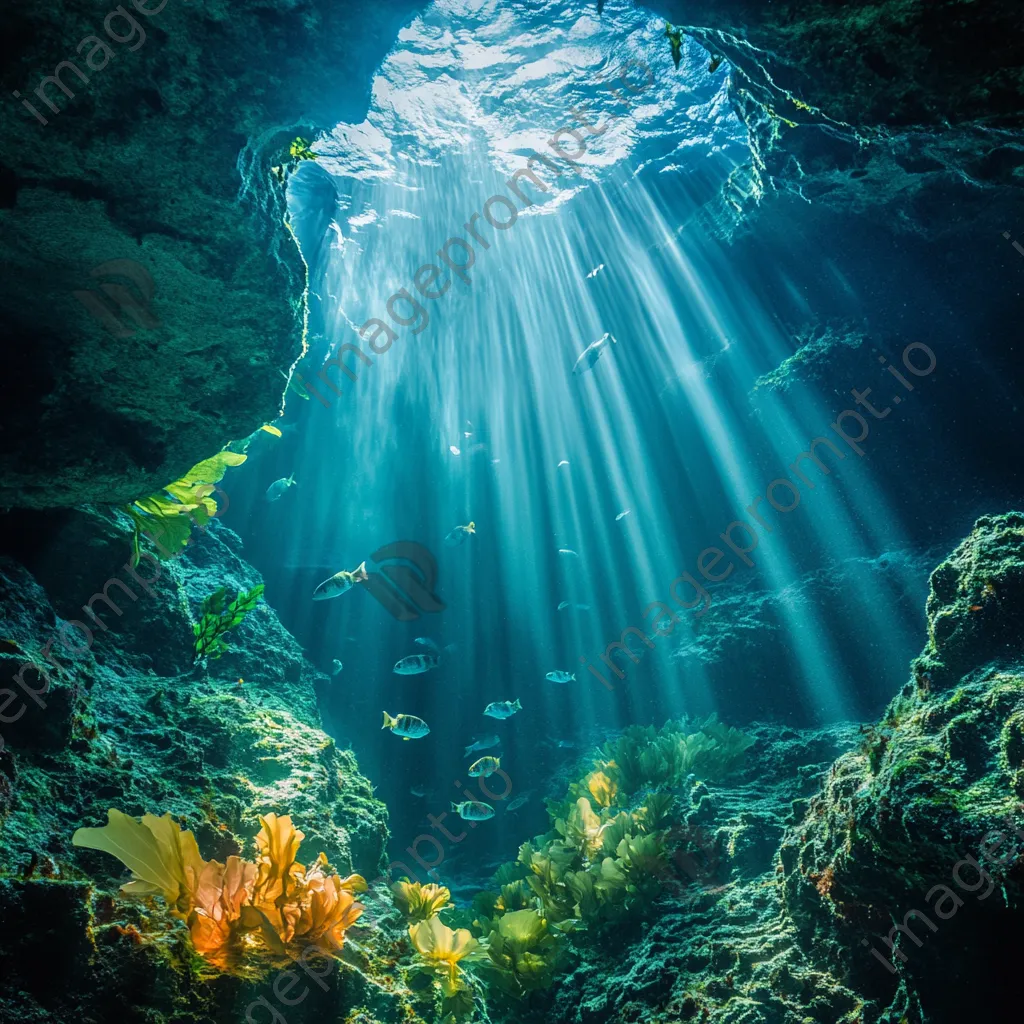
(880, 886)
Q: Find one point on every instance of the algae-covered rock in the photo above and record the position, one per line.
(889, 108)
(130, 721)
(153, 295)
(892, 847)
(857, 875)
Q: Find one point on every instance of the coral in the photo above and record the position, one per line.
(220, 616)
(420, 902)
(276, 897)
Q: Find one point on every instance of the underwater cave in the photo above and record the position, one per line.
(511, 511)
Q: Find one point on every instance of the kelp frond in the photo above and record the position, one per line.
(275, 899)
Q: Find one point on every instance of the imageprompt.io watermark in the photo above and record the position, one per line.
(741, 537)
(120, 27)
(404, 579)
(134, 303)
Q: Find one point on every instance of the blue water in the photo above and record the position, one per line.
(709, 281)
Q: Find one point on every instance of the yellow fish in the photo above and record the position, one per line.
(484, 767)
(409, 727)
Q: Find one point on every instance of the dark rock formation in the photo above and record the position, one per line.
(886, 105)
(158, 153)
(821, 861)
(127, 721)
(884, 854)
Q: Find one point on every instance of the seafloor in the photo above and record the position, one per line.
(773, 889)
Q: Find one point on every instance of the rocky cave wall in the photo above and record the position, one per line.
(160, 157)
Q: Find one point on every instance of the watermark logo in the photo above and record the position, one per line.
(133, 303)
(699, 858)
(404, 579)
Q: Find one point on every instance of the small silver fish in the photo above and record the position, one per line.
(473, 810)
(340, 583)
(560, 676)
(484, 768)
(564, 462)
(519, 801)
(592, 353)
(454, 450)
(280, 487)
(569, 552)
(425, 641)
(481, 743)
(597, 270)
(459, 534)
(409, 727)
(415, 664)
(503, 708)
(565, 745)
(336, 667)
(622, 515)
(570, 604)
(420, 791)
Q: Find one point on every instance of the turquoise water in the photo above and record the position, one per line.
(711, 495)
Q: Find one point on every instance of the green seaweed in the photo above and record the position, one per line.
(167, 517)
(219, 617)
(645, 757)
(522, 953)
(608, 854)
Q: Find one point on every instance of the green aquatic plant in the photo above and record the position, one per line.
(675, 37)
(219, 616)
(607, 856)
(420, 902)
(644, 757)
(299, 149)
(603, 789)
(440, 953)
(167, 517)
(581, 828)
(634, 874)
(522, 953)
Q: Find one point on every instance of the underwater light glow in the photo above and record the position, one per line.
(528, 181)
(552, 475)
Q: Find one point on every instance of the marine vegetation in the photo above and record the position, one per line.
(298, 150)
(219, 616)
(236, 905)
(608, 855)
(420, 902)
(167, 517)
(522, 953)
(645, 756)
(440, 951)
